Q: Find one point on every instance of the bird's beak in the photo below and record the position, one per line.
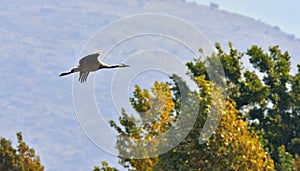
(126, 65)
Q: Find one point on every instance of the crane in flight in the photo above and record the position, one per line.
(90, 63)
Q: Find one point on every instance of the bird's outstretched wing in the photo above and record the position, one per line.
(83, 76)
(89, 62)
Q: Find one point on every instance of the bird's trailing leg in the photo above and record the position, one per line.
(66, 73)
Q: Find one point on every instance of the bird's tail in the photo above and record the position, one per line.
(66, 73)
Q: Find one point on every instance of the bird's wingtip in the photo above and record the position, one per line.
(99, 52)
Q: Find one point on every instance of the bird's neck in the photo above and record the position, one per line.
(112, 66)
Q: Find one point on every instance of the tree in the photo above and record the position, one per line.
(23, 158)
(136, 134)
(231, 147)
(267, 97)
(260, 117)
(105, 167)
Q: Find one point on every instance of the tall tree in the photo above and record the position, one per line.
(260, 116)
(268, 96)
(23, 158)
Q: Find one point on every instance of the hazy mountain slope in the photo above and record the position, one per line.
(217, 25)
(41, 39)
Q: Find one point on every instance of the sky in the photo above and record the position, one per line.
(282, 13)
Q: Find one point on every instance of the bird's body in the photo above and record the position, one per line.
(90, 63)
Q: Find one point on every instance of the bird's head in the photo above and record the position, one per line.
(123, 65)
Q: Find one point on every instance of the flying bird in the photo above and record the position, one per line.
(90, 63)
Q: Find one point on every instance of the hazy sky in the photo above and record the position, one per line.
(282, 13)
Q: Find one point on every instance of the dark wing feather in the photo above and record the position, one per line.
(83, 76)
(89, 62)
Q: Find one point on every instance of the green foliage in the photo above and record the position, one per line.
(105, 167)
(278, 115)
(259, 119)
(268, 97)
(285, 159)
(231, 147)
(23, 158)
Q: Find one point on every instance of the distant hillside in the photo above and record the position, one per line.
(217, 25)
(41, 39)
